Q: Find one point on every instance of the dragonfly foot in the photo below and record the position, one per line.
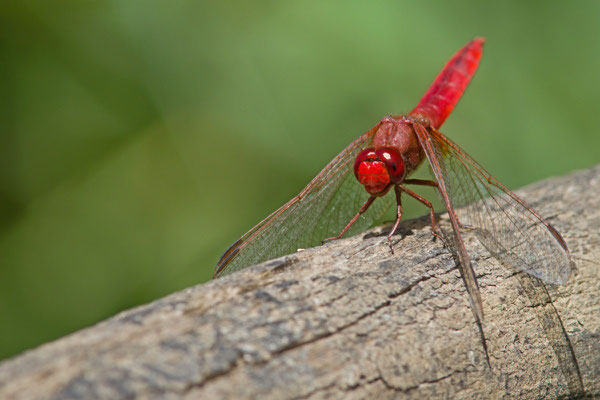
(436, 236)
(391, 244)
(329, 239)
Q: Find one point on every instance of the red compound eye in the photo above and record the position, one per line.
(393, 162)
(378, 169)
(367, 155)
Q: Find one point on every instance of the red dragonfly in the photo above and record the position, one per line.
(333, 203)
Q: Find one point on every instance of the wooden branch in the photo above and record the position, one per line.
(350, 320)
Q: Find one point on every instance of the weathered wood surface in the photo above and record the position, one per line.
(349, 320)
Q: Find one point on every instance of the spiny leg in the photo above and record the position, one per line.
(423, 200)
(425, 182)
(398, 191)
(360, 212)
(421, 182)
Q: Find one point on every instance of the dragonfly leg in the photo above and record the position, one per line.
(398, 191)
(424, 182)
(423, 200)
(421, 182)
(360, 212)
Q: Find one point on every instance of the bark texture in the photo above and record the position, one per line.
(351, 320)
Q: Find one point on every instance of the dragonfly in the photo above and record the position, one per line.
(334, 204)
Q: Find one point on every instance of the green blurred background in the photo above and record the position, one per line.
(140, 138)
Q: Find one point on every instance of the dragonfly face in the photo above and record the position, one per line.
(378, 169)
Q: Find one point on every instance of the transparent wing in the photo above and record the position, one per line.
(431, 149)
(322, 209)
(510, 229)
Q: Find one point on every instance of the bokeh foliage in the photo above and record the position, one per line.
(139, 138)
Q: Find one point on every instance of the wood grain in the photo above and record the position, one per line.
(351, 320)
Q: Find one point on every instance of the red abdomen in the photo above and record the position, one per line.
(448, 87)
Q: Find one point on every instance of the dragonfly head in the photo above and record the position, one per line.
(377, 169)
